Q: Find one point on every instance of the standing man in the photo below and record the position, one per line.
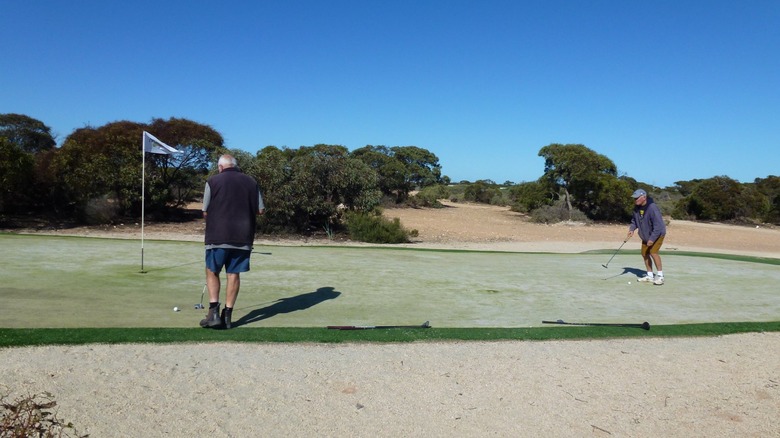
(231, 201)
(652, 229)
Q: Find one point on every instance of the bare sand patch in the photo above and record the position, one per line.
(716, 387)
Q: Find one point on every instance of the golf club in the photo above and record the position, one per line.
(426, 324)
(613, 255)
(200, 305)
(645, 325)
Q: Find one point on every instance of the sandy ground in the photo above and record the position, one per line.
(708, 387)
(485, 227)
(716, 387)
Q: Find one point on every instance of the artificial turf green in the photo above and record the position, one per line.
(10, 337)
(88, 290)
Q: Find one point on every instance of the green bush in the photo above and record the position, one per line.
(100, 210)
(680, 211)
(723, 199)
(429, 196)
(457, 191)
(374, 228)
(485, 192)
(553, 214)
(529, 196)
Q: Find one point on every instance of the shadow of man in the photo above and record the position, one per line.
(288, 305)
(626, 270)
(635, 271)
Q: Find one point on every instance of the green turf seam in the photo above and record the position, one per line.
(82, 336)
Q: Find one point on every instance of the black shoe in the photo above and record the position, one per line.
(227, 316)
(212, 319)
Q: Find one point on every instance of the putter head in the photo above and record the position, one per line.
(199, 306)
(604, 266)
(426, 324)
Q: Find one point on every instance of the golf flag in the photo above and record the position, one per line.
(151, 144)
(155, 146)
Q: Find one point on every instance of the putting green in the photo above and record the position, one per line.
(90, 282)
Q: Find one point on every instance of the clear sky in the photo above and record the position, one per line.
(670, 90)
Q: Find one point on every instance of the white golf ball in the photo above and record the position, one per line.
(175, 309)
(629, 282)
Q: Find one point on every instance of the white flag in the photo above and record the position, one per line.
(155, 146)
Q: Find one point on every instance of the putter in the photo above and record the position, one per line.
(426, 324)
(645, 325)
(613, 255)
(200, 305)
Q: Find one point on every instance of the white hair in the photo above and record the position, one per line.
(227, 161)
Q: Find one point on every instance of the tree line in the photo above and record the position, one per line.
(580, 184)
(95, 176)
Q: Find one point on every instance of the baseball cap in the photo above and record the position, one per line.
(638, 193)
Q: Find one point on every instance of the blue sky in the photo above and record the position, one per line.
(669, 90)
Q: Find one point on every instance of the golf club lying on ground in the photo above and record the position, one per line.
(426, 324)
(613, 255)
(645, 325)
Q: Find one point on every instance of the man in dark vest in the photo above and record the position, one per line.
(231, 201)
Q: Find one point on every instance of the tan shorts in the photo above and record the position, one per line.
(652, 249)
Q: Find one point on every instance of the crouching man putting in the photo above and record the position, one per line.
(652, 230)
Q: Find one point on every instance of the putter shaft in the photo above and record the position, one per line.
(645, 325)
(426, 324)
(606, 265)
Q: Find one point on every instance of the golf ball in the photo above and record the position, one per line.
(175, 309)
(629, 282)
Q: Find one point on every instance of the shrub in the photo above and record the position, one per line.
(529, 196)
(374, 228)
(429, 196)
(680, 211)
(723, 199)
(553, 214)
(32, 416)
(485, 192)
(100, 210)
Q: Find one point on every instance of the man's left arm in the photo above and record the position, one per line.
(260, 204)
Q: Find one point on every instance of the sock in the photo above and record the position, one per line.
(660, 273)
(213, 305)
(650, 274)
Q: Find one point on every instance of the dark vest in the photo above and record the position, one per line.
(232, 209)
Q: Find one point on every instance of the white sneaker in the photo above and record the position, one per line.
(646, 279)
(658, 281)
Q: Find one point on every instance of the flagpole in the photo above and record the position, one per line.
(155, 146)
(143, 196)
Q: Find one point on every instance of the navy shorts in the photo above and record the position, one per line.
(233, 260)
